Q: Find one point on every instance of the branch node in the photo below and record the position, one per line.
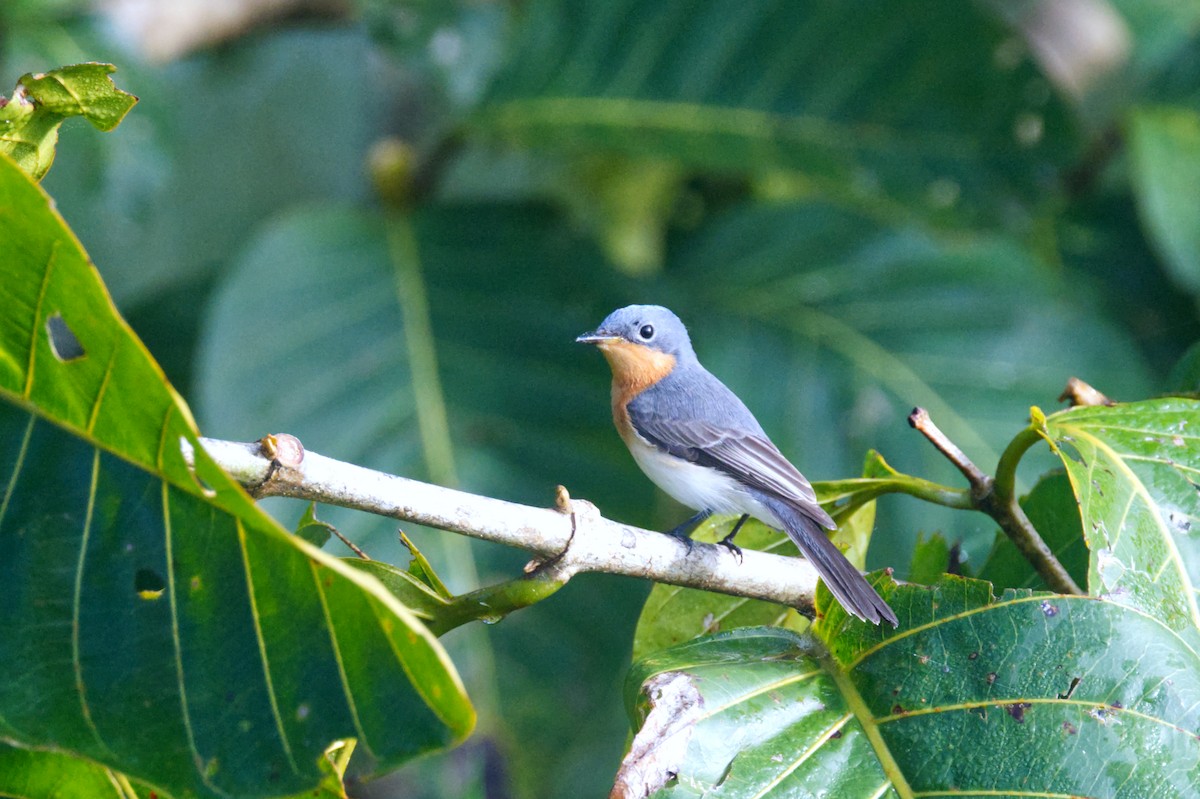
(283, 451)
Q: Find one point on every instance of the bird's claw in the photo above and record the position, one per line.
(727, 542)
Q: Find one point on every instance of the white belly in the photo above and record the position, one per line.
(698, 487)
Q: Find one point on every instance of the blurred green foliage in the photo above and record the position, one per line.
(857, 211)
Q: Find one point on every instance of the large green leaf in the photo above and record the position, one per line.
(923, 109)
(1134, 471)
(1165, 145)
(1027, 695)
(167, 628)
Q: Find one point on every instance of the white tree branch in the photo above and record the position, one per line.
(575, 534)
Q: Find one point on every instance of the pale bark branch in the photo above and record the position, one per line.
(574, 535)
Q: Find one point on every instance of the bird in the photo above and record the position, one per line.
(696, 440)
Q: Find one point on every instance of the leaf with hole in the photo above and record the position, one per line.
(169, 629)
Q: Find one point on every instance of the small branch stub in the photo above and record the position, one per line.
(981, 484)
(1079, 393)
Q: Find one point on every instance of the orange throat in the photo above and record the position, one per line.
(635, 368)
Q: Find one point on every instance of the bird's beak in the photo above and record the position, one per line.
(595, 337)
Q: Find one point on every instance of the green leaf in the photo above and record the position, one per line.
(32, 774)
(926, 111)
(768, 721)
(1052, 509)
(1165, 148)
(30, 119)
(414, 594)
(420, 568)
(312, 529)
(1025, 695)
(1133, 469)
(931, 558)
(137, 581)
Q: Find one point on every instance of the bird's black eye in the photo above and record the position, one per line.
(647, 332)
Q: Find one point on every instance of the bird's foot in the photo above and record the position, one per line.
(727, 541)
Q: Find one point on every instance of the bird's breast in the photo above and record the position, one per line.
(635, 368)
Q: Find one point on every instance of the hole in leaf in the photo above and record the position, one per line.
(63, 342)
(148, 584)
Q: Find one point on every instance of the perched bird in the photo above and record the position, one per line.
(698, 442)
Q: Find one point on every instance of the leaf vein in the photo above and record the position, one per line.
(262, 648)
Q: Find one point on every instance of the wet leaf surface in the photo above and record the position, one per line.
(1027, 694)
(1134, 470)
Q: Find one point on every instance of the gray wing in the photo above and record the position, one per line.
(742, 451)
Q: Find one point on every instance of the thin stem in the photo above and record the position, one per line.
(856, 491)
(1006, 467)
(354, 547)
(920, 421)
(422, 351)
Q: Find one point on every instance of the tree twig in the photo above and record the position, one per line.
(573, 538)
(1001, 505)
(980, 483)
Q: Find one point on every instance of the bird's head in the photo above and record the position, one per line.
(642, 343)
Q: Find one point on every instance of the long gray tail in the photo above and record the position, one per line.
(843, 580)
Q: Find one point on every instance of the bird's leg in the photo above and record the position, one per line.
(727, 541)
(684, 531)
